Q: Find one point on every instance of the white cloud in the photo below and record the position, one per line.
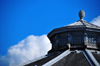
(27, 49)
(96, 21)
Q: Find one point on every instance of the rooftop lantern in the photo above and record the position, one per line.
(78, 35)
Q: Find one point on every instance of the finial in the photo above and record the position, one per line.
(81, 14)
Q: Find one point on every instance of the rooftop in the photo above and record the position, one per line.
(83, 23)
(76, 44)
(79, 25)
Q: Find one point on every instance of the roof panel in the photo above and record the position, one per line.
(83, 23)
(97, 57)
(73, 59)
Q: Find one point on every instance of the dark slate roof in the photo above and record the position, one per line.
(70, 58)
(73, 59)
(97, 56)
(42, 61)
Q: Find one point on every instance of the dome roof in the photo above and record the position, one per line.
(77, 26)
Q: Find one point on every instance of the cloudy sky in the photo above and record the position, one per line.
(24, 25)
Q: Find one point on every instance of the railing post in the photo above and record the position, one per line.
(85, 39)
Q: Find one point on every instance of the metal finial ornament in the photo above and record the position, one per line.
(81, 14)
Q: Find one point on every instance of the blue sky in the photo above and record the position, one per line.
(21, 18)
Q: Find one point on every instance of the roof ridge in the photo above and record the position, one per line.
(83, 23)
(92, 24)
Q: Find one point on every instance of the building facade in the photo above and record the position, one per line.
(77, 44)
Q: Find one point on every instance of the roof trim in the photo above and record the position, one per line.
(64, 29)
